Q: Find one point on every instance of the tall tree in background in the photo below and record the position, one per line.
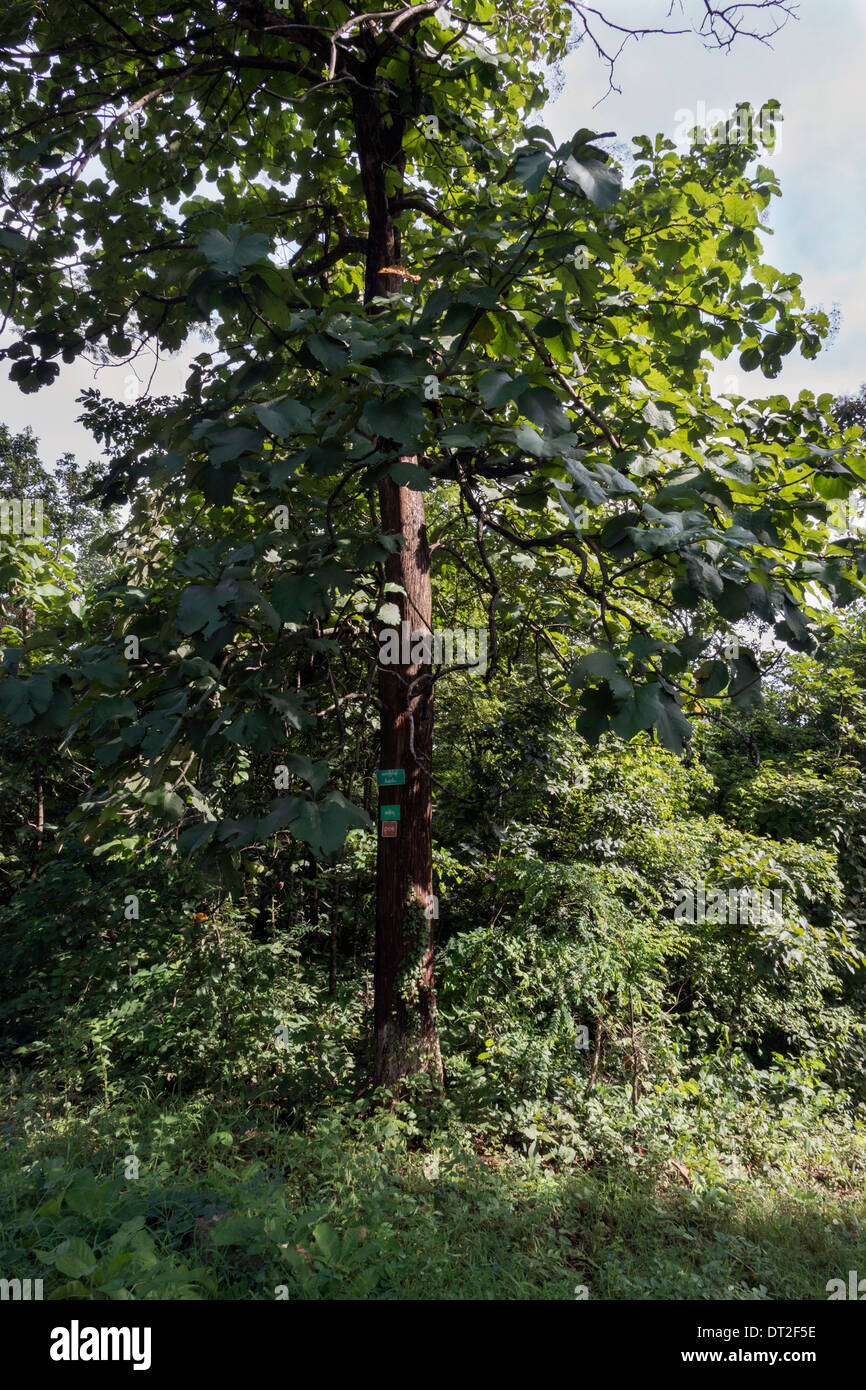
(401, 288)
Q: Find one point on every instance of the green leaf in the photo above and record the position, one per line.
(712, 678)
(232, 253)
(194, 836)
(598, 707)
(530, 169)
(598, 665)
(74, 1258)
(21, 700)
(662, 421)
(411, 475)
(529, 441)
(323, 825)
(200, 606)
(544, 408)
(284, 419)
(639, 712)
(83, 1194)
(673, 729)
(745, 688)
(14, 241)
(315, 774)
(794, 629)
(254, 729)
(231, 444)
(601, 184)
(294, 596)
(400, 419)
(498, 387)
(329, 351)
(235, 1229)
(327, 1242)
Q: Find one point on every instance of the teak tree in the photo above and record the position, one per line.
(401, 289)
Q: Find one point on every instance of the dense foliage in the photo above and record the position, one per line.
(594, 1046)
(440, 366)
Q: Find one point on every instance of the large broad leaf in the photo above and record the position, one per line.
(74, 1258)
(615, 535)
(315, 774)
(21, 700)
(195, 836)
(200, 606)
(323, 825)
(400, 419)
(231, 444)
(544, 408)
(109, 708)
(673, 729)
(234, 1229)
(233, 252)
(529, 441)
(497, 387)
(598, 707)
(329, 351)
(296, 595)
(662, 421)
(598, 665)
(530, 168)
(640, 712)
(600, 184)
(239, 833)
(13, 241)
(587, 485)
(703, 577)
(285, 418)
(172, 806)
(254, 729)
(712, 678)
(737, 600)
(745, 689)
(410, 475)
(794, 629)
(84, 1194)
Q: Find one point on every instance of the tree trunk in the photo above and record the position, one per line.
(406, 1038)
(405, 1031)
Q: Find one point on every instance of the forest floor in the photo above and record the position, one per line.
(221, 1198)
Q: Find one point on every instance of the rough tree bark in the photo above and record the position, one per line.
(405, 1031)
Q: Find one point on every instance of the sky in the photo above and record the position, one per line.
(816, 69)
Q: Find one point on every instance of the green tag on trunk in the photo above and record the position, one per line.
(391, 777)
(389, 812)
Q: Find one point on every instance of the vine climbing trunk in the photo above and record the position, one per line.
(404, 1006)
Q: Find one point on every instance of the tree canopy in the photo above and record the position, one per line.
(431, 341)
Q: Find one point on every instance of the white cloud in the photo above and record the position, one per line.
(815, 69)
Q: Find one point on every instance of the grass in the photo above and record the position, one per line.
(232, 1201)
